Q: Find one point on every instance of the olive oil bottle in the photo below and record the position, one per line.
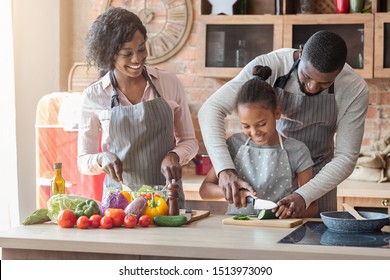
(58, 182)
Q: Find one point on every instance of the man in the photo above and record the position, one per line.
(319, 95)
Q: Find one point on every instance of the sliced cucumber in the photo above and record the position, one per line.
(170, 221)
(266, 214)
(241, 217)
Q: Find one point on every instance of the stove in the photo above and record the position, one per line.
(316, 233)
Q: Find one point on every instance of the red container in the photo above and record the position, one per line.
(342, 6)
(203, 164)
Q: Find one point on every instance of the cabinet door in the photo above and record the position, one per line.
(356, 29)
(382, 45)
(221, 42)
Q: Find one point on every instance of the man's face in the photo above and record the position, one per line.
(311, 81)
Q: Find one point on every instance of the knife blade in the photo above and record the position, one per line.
(261, 204)
(264, 204)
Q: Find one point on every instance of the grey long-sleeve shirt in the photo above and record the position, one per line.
(351, 94)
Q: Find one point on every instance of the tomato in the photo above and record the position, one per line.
(148, 196)
(83, 222)
(117, 215)
(144, 221)
(95, 220)
(130, 221)
(66, 218)
(106, 222)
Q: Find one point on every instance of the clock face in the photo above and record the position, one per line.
(168, 24)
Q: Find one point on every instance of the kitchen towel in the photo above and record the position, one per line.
(374, 165)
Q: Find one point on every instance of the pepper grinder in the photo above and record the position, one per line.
(173, 196)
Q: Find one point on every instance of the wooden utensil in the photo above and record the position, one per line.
(353, 212)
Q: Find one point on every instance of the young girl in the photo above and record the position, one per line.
(275, 166)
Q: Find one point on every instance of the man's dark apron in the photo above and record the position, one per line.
(141, 135)
(312, 120)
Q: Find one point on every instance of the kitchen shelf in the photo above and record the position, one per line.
(219, 36)
(291, 28)
(382, 45)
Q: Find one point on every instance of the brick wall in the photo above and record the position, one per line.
(198, 89)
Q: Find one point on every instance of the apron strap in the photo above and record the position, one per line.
(114, 97)
(281, 141)
(282, 80)
(146, 76)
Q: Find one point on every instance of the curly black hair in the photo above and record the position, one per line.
(326, 51)
(257, 90)
(108, 33)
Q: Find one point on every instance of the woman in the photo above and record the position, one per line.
(135, 122)
(274, 165)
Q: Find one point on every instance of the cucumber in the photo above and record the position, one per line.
(170, 221)
(241, 217)
(266, 214)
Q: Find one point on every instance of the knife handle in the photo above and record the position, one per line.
(250, 200)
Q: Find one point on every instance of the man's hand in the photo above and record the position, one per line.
(111, 165)
(231, 185)
(292, 206)
(170, 167)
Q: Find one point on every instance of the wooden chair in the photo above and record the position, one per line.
(80, 77)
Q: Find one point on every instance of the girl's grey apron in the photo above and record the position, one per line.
(267, 170)
(312, 120)
(141, 135)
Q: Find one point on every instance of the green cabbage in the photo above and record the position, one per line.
(60, 202)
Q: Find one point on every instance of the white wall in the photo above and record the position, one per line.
(37, 62)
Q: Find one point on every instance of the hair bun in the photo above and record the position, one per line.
(262, 72)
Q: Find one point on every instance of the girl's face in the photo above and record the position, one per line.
(130, 59)
(259, 123)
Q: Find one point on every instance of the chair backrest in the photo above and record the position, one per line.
(80, 76)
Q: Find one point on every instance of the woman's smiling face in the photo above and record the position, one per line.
(130, 59)
(259, 123)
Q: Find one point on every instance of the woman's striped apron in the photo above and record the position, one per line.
(141, 135)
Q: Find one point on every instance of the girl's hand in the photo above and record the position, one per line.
(111, 165)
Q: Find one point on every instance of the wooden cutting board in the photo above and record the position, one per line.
(284, 223)
(197, 215)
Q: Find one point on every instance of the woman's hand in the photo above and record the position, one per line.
(111, 165)
(170, 167)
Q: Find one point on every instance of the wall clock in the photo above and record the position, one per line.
(168, 23)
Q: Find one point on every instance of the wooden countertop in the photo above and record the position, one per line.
(191, 185)
(203, 239)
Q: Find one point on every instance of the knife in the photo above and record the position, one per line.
(261, 203)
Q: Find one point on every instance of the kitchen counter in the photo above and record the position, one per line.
(204, 239)
(366, 196)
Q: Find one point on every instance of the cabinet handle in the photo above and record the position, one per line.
(385, 202)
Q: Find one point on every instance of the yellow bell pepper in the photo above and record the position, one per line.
(156, 207)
